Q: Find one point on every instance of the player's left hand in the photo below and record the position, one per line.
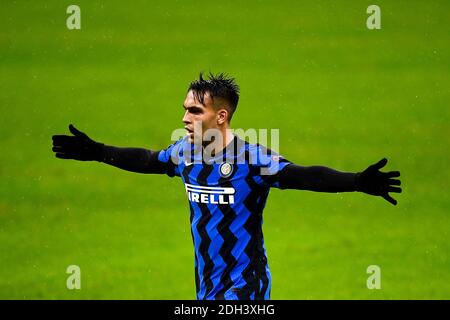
(373, 181)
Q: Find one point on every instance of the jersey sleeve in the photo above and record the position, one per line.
(267, 166)
(170, 157)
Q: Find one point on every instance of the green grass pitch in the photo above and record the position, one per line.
(342, 96)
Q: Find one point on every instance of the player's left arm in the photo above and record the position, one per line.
(323, 179)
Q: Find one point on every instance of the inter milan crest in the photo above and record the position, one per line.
(225, 169)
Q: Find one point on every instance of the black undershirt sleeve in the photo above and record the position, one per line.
(316, 178)
(138, 160)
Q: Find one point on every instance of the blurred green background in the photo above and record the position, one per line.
(342, 95)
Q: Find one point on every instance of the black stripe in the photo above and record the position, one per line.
(254, 202)
(185, 173)
(250, 226)
(201, 228)
(197, 277)
(229, 239)
(261, 268)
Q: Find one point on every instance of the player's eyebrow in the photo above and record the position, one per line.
(198, 107)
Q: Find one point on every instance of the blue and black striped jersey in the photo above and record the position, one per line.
(227, 193)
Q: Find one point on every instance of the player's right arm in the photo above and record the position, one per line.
(81, 147)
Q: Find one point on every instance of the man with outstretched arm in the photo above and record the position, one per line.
(227, 187)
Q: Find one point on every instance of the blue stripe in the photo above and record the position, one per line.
(205, 244)
(197, 239)
(237, 227)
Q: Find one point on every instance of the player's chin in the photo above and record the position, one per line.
(194, 139)
(190, 138)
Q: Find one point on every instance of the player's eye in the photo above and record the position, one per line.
(195, 110)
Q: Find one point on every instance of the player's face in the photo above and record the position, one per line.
(198, 117)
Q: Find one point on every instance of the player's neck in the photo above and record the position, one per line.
(228, 137)
(219, 145)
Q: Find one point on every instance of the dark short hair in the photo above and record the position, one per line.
(218, 86)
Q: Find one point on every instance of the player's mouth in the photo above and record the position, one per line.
(189, 131)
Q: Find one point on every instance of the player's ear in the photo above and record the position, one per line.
(222, 116)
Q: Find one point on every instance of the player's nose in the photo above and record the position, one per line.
(186, 118)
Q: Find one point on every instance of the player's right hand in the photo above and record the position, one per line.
(77, 147)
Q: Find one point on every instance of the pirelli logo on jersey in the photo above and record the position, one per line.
(212, 195)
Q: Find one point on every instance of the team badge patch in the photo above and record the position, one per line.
(226, 169)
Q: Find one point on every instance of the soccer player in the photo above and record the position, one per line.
(227, 182)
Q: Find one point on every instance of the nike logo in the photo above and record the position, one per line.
(187, 164)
